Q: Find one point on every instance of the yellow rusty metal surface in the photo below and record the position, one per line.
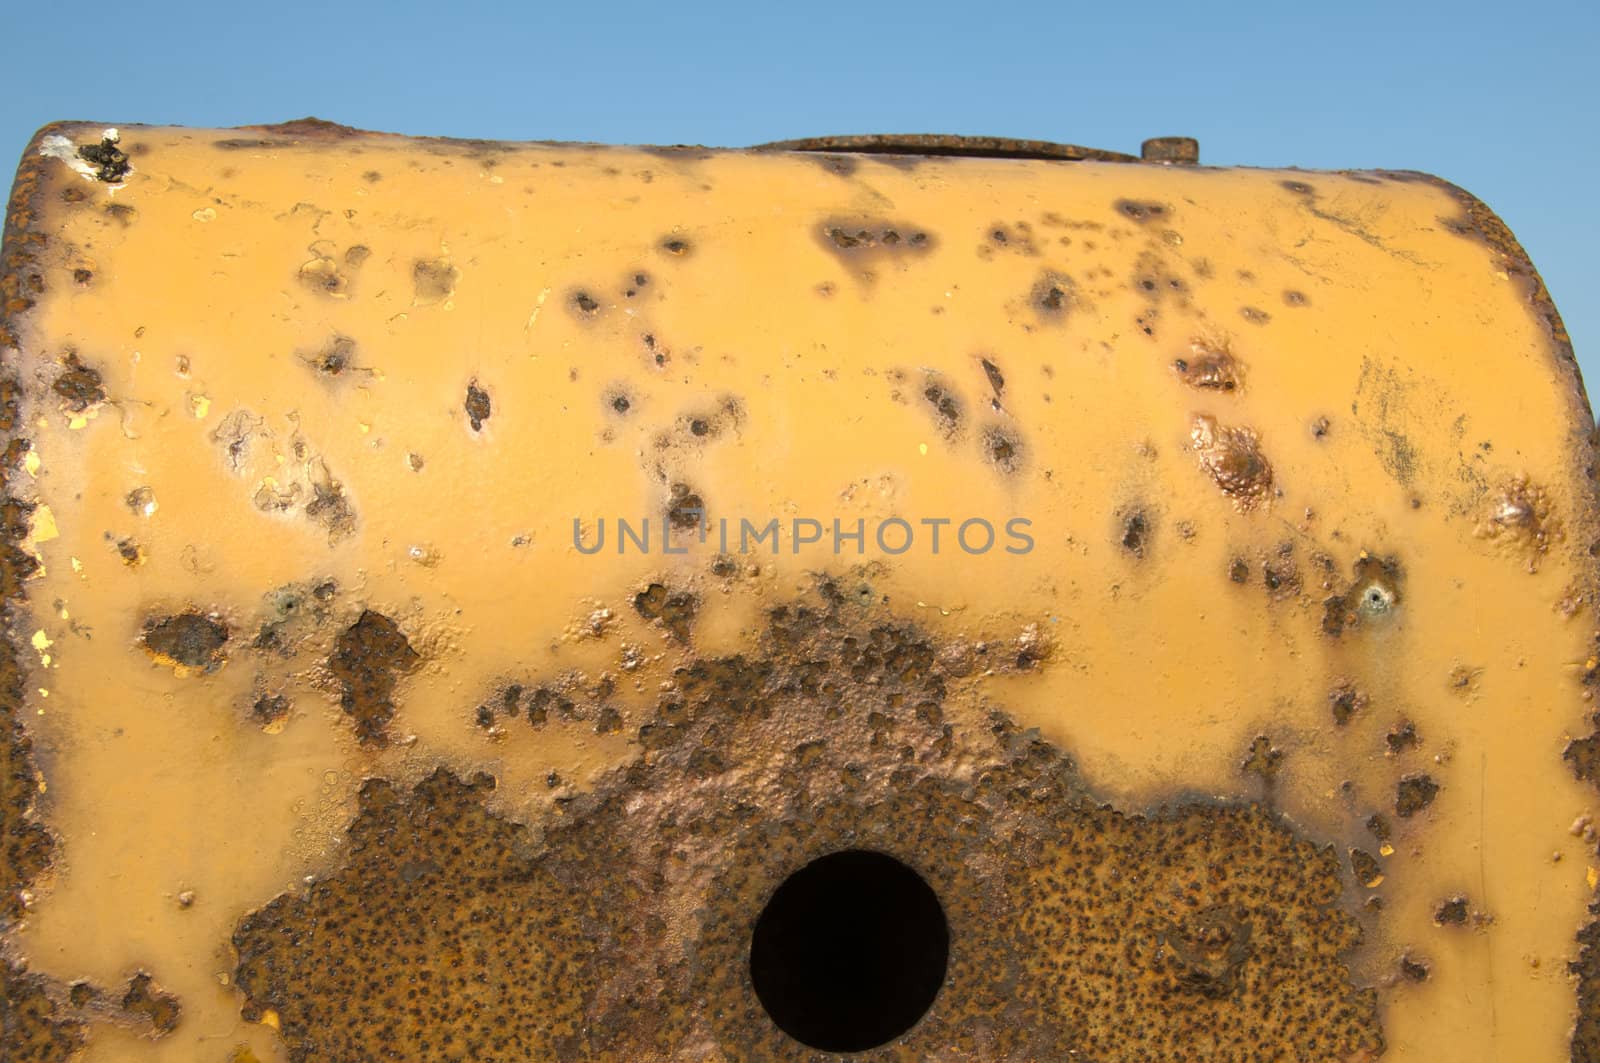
(1287, 479)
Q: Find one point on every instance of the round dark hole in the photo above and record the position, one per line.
(850, 951)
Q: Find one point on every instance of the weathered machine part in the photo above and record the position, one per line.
(473, 600)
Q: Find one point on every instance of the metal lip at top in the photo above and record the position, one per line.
(945, 144)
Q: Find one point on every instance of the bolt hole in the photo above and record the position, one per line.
(850, 951)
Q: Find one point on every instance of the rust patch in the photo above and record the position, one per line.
(1053, 295)
(33, 1028)
(1521, 517)
(186, 642)
(110, 162)
(1003, 448)
(1586, 1034)
(161, 1010)
(1366, 869)
(618, 924)
(1232, 457)
(673, 610)
(1413, 794)
(1373, 592)
(1209, 368)
(78, 385)
(478, 406)
(860, 242)
(685, 508)
(946, 405)
(1136, 529)
(368, 661)
(1402, 738)
(1345, 701)
(1263, 759)
(1145, 212)
(336, 356)
(1452, 912)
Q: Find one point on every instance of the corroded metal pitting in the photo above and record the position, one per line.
(438, 627)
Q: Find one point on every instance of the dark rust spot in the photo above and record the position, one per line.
(1345, 701)
(1583, 757)
(997, 380)
(1052, 295)
(862, 241)
(478, 406)
(1373, 593)
(674, 610)
(1209, 368)
(1413, 794)
(191, 639)
(160, 1010)
(1144, 212)
(270, 709)
(1402, 738)
(1136, 533)
(1232, 457)
(585, 304)
(946, 406)
(78, 385)
(685, 508)
(34, 1028)
(1365, 867)
(1452, 912)
(336, 357)
(1003, 448)
(367, 662)
(110, 162)
(1263, 759)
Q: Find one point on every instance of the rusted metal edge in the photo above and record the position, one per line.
(947, 145)
(34, 1019)
(1482, 222)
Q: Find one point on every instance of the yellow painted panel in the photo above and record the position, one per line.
(1186, 571)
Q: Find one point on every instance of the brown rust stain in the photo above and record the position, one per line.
(478, 406)
(1232, 457)
(617, 924)
(78, 385)
(863, 243)
(367, 662)
(34, 1027)
(190, 641)
(1209, 367)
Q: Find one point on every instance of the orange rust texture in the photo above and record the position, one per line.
(451, 933)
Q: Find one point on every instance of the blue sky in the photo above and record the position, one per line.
(1501, 99)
